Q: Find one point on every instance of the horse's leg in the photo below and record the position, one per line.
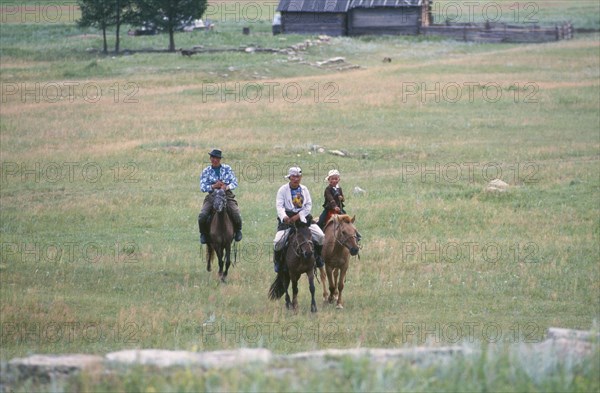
(311, 287)
(331, 284)
(336, 273)
(227, 259)
(323, 279)
(286, 284)
(340, 285)
(220, 256)
(209, 256)
(294, 280)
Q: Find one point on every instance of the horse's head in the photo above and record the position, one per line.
(219, 200)
(302, 242)
(345, 232)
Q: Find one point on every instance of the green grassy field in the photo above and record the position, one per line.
(101, 158)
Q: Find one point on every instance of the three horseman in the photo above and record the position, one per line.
(293, 204)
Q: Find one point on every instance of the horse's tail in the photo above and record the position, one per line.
(277, 289)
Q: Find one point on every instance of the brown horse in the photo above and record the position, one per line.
(221, 235)
(299, 259)
(339, 244)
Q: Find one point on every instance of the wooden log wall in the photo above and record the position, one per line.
(493, 33)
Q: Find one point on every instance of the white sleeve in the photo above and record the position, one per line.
(280, 202)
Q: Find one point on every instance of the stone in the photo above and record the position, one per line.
(496, 185)
(46, 368)
(165, 358)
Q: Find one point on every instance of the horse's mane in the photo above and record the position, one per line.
(339, 218)
(219, 200)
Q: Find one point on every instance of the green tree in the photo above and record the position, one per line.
(103, 14)
(169, 15)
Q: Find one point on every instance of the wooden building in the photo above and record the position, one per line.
(314, 16)
(379, 17)
(353, 17)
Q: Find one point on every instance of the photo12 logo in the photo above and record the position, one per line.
(275, 172)
(240, 11)
(69, 92)
(269, 92)
(470, 172)
(470, 331)
(54, 332)
(453, 92)
(269, 332)
(470, 252)
(485, 11)
(39, 12)
(68, 252)
(68, 172)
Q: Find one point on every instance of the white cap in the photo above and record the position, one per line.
(294, 171)
(333, 172)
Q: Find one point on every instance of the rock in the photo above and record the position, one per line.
(338, 153)
(358, 191)
(165, 358)
(46, 368)
(496, 185)
(333, 60)
(582, 335)
(250, 50)
(422, 355)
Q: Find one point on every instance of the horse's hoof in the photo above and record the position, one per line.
(313, 308)
(208, 269)
(339, 307)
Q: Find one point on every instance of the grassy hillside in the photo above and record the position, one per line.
(99, 189)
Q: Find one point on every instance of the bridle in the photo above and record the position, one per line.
(297, 246)
(219, 202)
(337, 230)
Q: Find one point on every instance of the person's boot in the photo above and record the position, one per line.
(277, 260)
(203, 227)
(238, 234)
(318, 258)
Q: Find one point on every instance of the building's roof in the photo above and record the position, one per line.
(313, 5)
(341, 5)
(384, 3)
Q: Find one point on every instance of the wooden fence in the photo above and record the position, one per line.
(500, 32)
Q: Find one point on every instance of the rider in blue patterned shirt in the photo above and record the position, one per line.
(218, 176)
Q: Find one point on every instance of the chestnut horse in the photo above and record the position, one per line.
(299, 259)
(340, 243)
(221, 235)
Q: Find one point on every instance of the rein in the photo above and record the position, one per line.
(337, 232)
(299, 244)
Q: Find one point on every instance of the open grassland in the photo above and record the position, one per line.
(99, 188)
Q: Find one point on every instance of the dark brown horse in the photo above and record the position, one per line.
(221, 235)
(299, 259)
(339, 244)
